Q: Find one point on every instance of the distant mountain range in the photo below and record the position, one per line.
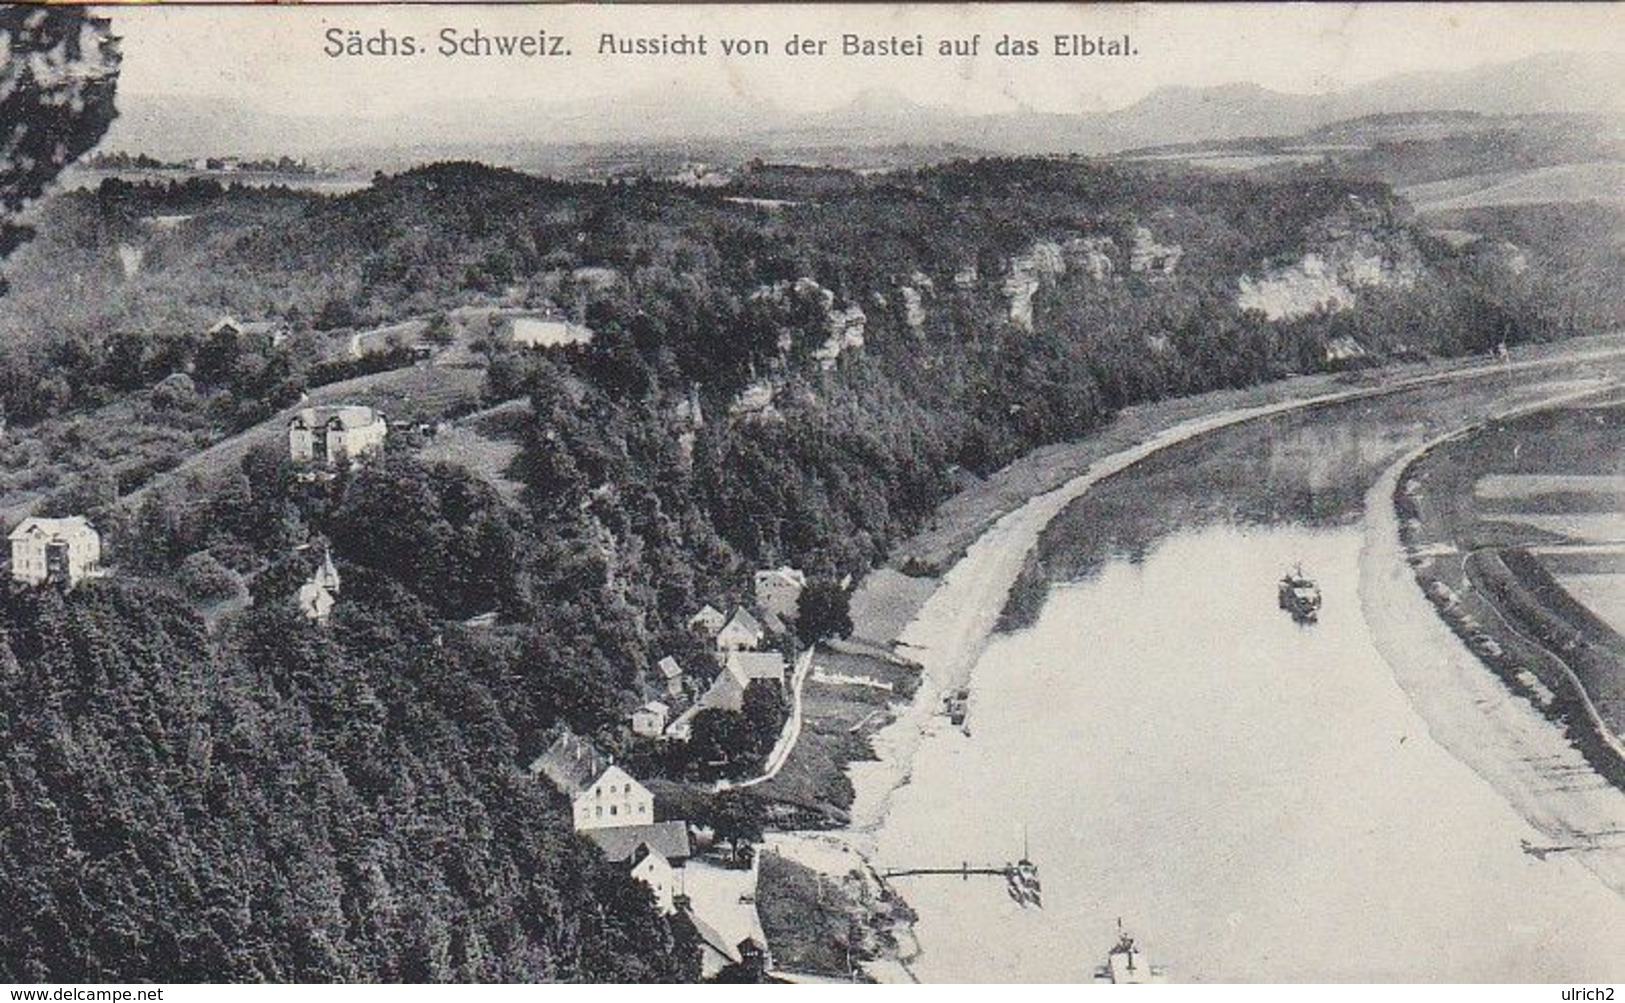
(503, 130)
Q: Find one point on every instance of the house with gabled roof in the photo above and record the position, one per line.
(319, 593)
(602, 795)
(654, 854)
(649, 721)
(258, 335)
(327, 436)
(727, 690)
(742, 631)
(772, 623)
(722, 906)
(753, 665)
(707, 621)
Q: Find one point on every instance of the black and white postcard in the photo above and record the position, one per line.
(812, 493)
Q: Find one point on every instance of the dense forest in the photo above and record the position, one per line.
(199, 784)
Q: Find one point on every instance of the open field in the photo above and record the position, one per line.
(1594, 182)
(1515, 534)
(1603, 594)
(485, 443)
(849, 696)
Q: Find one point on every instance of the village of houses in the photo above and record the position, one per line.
(613, 809)
(608, 805)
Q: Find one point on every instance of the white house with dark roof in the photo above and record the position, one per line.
(655, 854)
(601, 794)
(327, 436)
(707, 621)
(649, 721)
(64, 551)
(742, 631)
(261, 335)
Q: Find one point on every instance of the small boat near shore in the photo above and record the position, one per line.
(957, 706)
(1298, 594)
(1126, 965)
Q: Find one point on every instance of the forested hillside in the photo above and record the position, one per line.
(250, 796)
(294, 806)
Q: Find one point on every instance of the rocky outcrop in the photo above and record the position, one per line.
(756, 399)
(1345, 349)
(919, 286)
(913, 309)
(1358, 248)
(1097, 256)
(1147, 257)
(1092, 256)
(1043, 262)
(846, 329)
(845, 326)
(1297, 290)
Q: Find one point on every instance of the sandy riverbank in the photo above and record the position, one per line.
(1500, 735)
(952, 626)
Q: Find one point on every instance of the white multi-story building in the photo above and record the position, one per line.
(601, 795)
(65, 551)
(330, 435)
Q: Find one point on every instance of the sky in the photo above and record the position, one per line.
(272, 56)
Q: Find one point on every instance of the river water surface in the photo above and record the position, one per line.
(1258, 800)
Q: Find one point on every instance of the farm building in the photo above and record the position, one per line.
(259, 335)
(547, 331)
(727, 690)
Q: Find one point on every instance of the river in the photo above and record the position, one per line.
(1257, 800)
